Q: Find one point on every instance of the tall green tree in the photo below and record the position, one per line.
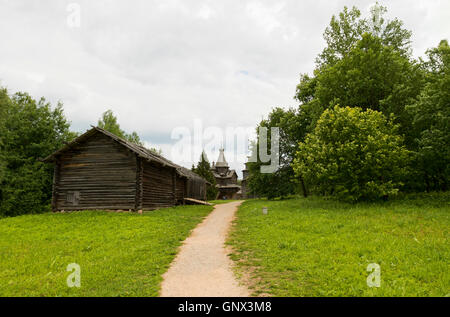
(431, 117)
(292, 125)
(110, 123)
(204, 169)
(365, 77)
(5, 103)
(366, 63)
(346, 29)
(372, 76)
(30, 130)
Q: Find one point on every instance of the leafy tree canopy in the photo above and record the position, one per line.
(30, 130)
(292, 126)
(431, 117)
(5, 103)
(366, 63)
(346, 29)
(353, 155)
(367, 66)
(109, 123)
(372, 76)
(204, 169)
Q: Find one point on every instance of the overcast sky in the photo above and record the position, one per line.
(162, 64)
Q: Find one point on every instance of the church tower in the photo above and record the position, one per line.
(222, 164)
(226, 179)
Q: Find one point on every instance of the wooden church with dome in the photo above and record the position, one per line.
(226, 179)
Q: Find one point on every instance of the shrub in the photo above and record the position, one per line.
(353, 155)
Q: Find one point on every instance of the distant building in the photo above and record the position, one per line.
(226, 179)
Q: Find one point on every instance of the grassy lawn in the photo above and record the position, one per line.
(315, 247)
(120, 254)
(221, 201)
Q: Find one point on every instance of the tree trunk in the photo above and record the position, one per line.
(305, 192)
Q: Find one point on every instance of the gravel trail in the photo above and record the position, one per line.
(202, 267)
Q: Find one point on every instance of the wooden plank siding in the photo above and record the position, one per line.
(139, 183)
(196, 188)
(101, 171)
(180, 189)
(158, 186)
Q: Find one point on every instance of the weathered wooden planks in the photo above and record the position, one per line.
(180, 189)
(197, 202)
(101, 171)
(157, 186)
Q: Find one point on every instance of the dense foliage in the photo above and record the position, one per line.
(431, 117)
(109, 123)
(204, 169)
(353, 155)
(346, 29)
(367, 64)
(30, 130)
(371, 76)
(281, 183)
(4, 105)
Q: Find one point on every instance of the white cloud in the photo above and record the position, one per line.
(159, 64)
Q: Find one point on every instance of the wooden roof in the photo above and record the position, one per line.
(221, 161)
(189, 174)
(228, 174)
(138, 149)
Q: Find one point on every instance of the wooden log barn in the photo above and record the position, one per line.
(99, 170)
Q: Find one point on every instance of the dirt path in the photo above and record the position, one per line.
(202, 267)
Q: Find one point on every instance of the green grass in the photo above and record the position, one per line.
(317, 247)
(221, 201)
(120, 254)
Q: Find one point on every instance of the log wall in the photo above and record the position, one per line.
(180, 189)
(100, 173)
(158, 186)
(196, 188)
(97, 174)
